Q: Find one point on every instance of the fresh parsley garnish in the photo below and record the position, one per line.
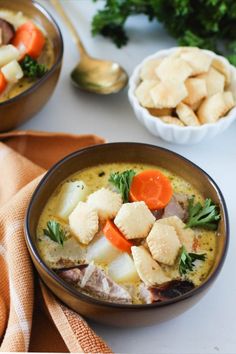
(186, 261)
(55, 232)
(206, 216)
(207, 24)
(32, 68)
(122, 181)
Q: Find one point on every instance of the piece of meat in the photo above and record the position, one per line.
(174, 208)
(164, 292)
(7, 32)
(158, 213)
(95, 282)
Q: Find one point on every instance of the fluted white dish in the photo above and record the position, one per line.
(174, 133)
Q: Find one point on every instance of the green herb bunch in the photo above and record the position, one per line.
(203, 23)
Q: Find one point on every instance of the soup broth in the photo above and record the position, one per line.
(73, 252)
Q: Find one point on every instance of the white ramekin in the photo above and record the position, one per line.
(174, 133)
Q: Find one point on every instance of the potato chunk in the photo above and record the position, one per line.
(70, 195)
(12, 71)
(102, 251)
(8, 53)
(123, 270)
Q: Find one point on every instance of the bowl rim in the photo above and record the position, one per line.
(231, 115)
(34, 87)
(89, 299)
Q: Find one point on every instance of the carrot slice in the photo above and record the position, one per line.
(3, 82)
(152, 187)
(116, 238)
(27, 26)
(29, 40)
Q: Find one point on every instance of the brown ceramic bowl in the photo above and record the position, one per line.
(22, 107)
(102, 311)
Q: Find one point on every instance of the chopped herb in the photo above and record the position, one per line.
(101, 174)
(32, 68)
(55, 232)
(186, 262)
(206, 216)
(122, 182)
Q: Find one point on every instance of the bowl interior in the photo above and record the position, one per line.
(128, 152)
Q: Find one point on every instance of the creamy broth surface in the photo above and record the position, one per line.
(96, 178)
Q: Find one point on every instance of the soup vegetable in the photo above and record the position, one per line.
(26, 53)
(128, 233)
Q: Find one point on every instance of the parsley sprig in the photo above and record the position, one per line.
(55, 232)
(206, 216)
(122, 181)
(207, 24)
(32, 68)
(186, 261)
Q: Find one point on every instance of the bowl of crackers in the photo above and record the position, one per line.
(184, 94)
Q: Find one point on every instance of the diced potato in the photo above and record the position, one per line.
(70, 195)
(12, 71)
(123, 270)
(102, 251)
(8, 53)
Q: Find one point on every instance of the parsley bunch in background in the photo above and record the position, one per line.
(209, 24)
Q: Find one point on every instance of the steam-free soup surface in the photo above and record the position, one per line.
(73, 252)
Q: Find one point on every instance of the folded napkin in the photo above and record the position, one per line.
(31, 318)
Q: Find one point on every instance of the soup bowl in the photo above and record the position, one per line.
(103, 311)
(22, 107)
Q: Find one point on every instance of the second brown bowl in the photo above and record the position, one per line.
(24, 106)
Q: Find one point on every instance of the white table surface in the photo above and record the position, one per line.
(209, 327)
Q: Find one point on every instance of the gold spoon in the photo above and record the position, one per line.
(94, 75)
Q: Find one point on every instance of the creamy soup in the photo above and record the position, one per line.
(16, 78)
(129, 262)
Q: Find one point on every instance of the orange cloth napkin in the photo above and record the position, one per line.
(31, 318)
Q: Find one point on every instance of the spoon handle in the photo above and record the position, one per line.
(58, 7)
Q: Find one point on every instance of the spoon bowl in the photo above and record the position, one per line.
(99, 76)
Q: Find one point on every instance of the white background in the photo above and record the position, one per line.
(209, 327)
